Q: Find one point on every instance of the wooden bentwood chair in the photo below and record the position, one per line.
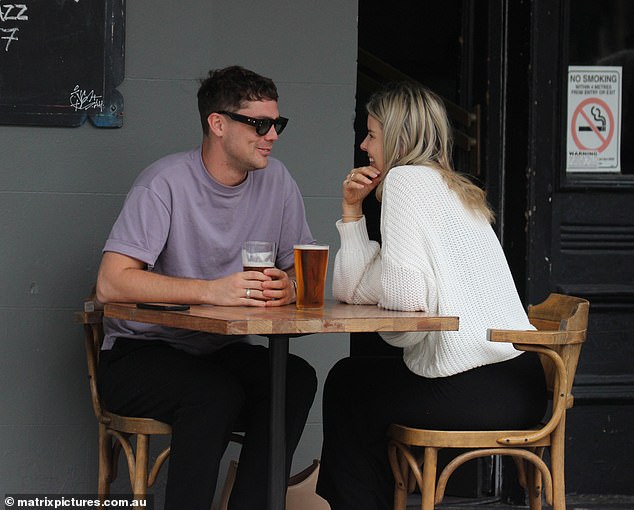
(116, 432)
(561, 323)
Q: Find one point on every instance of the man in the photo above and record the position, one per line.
(178, 239)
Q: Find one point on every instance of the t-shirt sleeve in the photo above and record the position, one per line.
(142, 227)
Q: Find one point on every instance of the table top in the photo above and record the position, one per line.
(335, 317)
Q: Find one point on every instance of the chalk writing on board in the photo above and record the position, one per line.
(11, 13)
(61, 62)
(83, 100)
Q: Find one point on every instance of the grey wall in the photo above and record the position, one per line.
(61, 189)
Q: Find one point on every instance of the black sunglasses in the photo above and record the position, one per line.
(262, 126)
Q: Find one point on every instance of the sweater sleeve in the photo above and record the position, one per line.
(407, 277)
(357, 271)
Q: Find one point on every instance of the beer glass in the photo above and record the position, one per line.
(258, 255)
(311, 263)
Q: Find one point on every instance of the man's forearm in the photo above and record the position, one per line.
(139, 285)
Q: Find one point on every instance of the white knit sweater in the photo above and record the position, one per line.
(436, 256)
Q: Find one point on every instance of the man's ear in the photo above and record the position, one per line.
(216, 124)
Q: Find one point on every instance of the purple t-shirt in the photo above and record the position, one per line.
(181, 222)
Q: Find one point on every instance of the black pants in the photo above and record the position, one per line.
(363, 396)
(204, 399)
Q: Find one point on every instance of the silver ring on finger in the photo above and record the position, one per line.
(248, 293)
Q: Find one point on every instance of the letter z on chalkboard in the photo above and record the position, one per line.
(61, 61)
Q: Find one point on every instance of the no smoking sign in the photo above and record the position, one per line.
(594, 102)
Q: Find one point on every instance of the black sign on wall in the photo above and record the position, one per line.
(61, 61)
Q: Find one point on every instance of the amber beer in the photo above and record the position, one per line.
(260, 268)
(311, 263)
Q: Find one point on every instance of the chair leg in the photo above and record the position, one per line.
(428, 489)
(521, 466)
(557, 465)
(534, 487)
(400, 498)
(400, 470)
(141, 466)
(105, 462)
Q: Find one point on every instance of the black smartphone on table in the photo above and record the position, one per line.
(166, 307)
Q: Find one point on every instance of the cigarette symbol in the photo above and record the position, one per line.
(598, 116)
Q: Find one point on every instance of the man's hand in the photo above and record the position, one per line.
(238, 289)
(279, 290)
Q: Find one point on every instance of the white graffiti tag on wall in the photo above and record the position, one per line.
(84, 100)
(11, 14)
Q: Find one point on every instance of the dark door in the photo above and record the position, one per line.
(450, 47)
(562, 231)
(581, 218)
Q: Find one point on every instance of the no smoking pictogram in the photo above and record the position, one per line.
(592, 125)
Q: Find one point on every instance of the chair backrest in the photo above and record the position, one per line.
(93, 329)
(569, 315)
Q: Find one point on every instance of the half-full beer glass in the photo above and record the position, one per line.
(311, 263)
(258, 255)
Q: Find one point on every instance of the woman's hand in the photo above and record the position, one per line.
(358, 184)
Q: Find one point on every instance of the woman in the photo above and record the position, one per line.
(438, 254)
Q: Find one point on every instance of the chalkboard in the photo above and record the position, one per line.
(61, 61)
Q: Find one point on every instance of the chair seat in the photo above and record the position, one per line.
(132, 425)
(464, 438)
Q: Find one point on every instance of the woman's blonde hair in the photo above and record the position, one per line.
(416, 131)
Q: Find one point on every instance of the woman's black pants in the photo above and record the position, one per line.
(364, 395)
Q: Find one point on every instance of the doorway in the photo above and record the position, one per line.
(442, 45)
(561, 231)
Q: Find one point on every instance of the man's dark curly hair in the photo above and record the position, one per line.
(229, 88)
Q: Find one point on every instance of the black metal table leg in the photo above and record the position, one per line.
(278, 351)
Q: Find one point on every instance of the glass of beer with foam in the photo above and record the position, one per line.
(258, 255)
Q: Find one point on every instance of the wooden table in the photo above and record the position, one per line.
(279, 324)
